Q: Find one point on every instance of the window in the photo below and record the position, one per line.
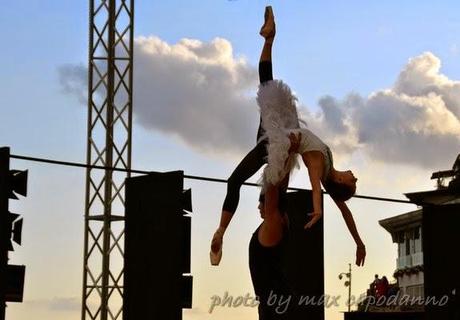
(418, 241)
(401, 249)
(415, 291)
(413, 241)
(407, 241)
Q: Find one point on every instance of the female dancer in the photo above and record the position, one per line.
(279, 118)
(278, 121)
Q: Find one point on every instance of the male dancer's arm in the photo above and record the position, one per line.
(271, 230)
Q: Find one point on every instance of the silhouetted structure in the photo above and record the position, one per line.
(157, 247)
(428, 251)
(305, 259)
(11, 276)
(441, 243)
(110, 88)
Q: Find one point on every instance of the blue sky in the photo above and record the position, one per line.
(323, 48)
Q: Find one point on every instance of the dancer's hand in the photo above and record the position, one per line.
(360, 255)
(295, 142)
(315, 216)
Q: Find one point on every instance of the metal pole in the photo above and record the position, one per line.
(349, 287)
(108, 148)
(4, 238)
(88, 157)
(108, 162)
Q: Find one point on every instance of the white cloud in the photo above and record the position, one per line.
(195, 91)
(416, 122)
(201, 94)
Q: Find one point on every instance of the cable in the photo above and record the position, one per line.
(87, 166)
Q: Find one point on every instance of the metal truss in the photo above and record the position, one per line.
(110, 83)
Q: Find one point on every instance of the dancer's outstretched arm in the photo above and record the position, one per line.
(350, 222)
(315, 165)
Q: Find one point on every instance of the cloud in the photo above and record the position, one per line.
(57, 303)
(197, 92)
(73, 80)
(415, 122)
(65, 304)
(201, 94)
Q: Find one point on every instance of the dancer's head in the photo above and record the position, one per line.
(261, 207)
(341, 185)
(282, 204)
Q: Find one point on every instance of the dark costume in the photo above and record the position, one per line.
(268, 277)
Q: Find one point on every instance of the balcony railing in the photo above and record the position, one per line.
(404, 262)
(413, 260)
(417, 259)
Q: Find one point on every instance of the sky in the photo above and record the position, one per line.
(378, 81)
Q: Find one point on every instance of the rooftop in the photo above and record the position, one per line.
(402, 222)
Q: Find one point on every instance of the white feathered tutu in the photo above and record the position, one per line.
(279, 116)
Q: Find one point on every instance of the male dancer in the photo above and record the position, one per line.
(266, 250)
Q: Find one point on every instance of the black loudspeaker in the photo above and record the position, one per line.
(157, 247)
(304, 260)
(441, 260)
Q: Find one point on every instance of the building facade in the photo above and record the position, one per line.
(406, 231)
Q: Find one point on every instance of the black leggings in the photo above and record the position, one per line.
(254, 160)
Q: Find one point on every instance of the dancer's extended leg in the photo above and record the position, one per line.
(255, 159)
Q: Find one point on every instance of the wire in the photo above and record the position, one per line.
(88, 166)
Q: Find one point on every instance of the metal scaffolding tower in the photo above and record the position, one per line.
(110, 83)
